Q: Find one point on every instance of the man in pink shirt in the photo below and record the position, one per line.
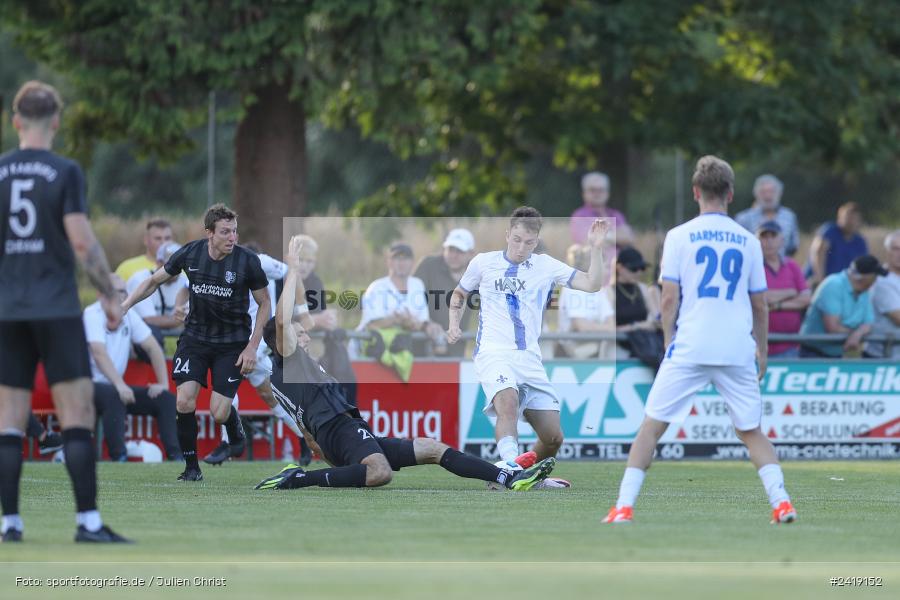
(788, 294)
(595, 192)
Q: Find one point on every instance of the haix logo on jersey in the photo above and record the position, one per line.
(509, 284)
(230, 277)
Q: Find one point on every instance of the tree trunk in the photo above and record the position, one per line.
(270, 167)
(613, 160)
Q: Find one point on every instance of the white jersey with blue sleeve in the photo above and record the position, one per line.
(513, 298)
(718, 265)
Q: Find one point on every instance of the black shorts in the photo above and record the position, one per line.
(59, 343)
(194, 359)
(346, 440)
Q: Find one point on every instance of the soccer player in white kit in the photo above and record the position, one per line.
(515, 285)
(713, 281)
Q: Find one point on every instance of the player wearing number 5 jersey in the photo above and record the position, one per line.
(715, 321)
(43, 227)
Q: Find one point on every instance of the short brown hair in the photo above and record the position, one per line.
(528, 217)
(36, 100)
(714, 177)
(158, 223)
(215, 213)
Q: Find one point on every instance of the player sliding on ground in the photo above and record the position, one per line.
(317, 402)
(714, 283)
(514, 285)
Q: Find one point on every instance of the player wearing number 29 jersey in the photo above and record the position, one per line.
(717, 265)
(715, 321)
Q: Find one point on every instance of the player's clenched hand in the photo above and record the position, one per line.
(181, 312)
(126, 394)
(597, 234)
(155, 389)
(453, 335)
(246, 361)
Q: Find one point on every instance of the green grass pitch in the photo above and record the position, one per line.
(701, 531)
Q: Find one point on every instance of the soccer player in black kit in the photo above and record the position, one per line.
(216, 337)
(317, 402)
(43, 218)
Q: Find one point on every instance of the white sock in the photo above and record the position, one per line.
(89, 519)
(224, 434)
(630, 486)
(11, 522)
(773, 481)
(282, 414)
(508, 448)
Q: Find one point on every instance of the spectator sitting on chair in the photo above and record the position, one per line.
(836, 244)
(113, 398)
(886, 302)
(636, 303)
(788, 294)
(158, 232)
(841, 304)
(767, 190)
(585, 312)
(440, 274)
(398, 300)
(158, 311)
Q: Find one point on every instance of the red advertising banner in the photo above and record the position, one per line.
(426, 406)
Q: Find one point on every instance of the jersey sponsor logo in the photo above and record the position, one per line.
(230, 277)
(212, 290)
(509, 284)
(24, 246)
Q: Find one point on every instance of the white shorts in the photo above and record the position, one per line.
(676, 384)
(518, 370)
(263, 367)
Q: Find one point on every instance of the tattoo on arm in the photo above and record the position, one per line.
(97, 270)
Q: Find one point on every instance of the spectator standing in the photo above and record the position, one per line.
(440, 274)
(767, 191)
(113, 398)
(595, 190)
(837, 244)
(842, 304)
(788, 294)
(886, 301)
(157, 233)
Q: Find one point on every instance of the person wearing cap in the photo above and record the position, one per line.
(440, 273)
(767, 190)
(636, 303)
(398, 300)
(788, 294)
(157, 232)
(886, 302)
(842, 304)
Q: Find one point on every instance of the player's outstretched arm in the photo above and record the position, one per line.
(286, 337)
(147, 287)
(592, 281)
(92, 258)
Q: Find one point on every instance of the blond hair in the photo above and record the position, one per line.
(714, 177)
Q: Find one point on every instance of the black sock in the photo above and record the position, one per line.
(34, 428)
(10, 472)
(81, 463)
(352, 476)
(465, 465)
(187, 437)
(233, 426)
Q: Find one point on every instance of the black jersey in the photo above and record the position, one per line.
(315, 399)
(219, 289)
(37, 265)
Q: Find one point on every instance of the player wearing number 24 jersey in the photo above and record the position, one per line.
(715, 320)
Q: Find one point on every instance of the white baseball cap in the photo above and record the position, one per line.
(461, 239)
